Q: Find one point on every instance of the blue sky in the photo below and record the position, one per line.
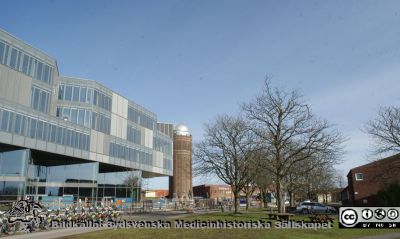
(344, 56)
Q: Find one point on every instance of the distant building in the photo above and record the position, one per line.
(333, 196)
(156, 193)
(364, 182)
(217, 192)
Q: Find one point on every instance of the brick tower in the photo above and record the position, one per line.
(182, 164)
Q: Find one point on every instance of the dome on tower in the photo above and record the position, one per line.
(181, 129)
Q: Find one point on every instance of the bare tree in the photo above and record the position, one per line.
(385, 130)
(225, 152)
(309, 177)
(133, 181)
(250, 185)
(289, 132)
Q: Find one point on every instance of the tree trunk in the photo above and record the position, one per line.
(236, 199)
(247, 202)
(291, 195)
(279, 195)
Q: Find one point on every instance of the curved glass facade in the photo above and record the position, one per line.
(70, 136)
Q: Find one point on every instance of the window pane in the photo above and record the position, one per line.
(81, 117)
(53, 129)
(19, 58)
(6, 54)
(32, 127)
(87, 118)
(39, 131)
(82, 97)
(59, 135)
(39, 69)
(30, 66)
(46, 74)
(24, 122)
(95, 96)
(74, 116)
(13, 59)
(2, 48)
(66, 114)
(17, 125)
(25, 63)
(43, 101)
(68, 92)
(61, 92)
(5, 120)
(76, 94)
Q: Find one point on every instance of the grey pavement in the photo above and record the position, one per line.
(53, 233)
(57, 233)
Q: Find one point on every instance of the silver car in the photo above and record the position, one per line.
(314, 207)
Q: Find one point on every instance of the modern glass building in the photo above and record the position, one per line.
(68, 136)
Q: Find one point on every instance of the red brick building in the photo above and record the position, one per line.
(217, 192)
(364, 182)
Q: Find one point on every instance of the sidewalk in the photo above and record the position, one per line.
(54, 233)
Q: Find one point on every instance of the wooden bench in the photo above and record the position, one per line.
(280, 216)
(321, 217)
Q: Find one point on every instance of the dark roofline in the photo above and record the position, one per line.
(393, 157)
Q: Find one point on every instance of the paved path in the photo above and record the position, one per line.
(54, 233)
(395, 235)
(168, 215)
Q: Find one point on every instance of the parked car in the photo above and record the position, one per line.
(314, 207)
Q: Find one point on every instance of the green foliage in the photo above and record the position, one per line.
(390, 196)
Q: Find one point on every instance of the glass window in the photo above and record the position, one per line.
(43, 101)
(87, 118)
(23, 123)
(39, 130)
(6, 54)
(82, 96)
(13, 59)
(95, 96)
(61, 92)
(75, 96)
(39, 69)
(77, 140)
(359, 176)
(53, 129)
(81, 117)
(19, 59)
(25, 64)
(60, 136)
(17, 124)
(74, 115)
(2, 48)
(66, 114)
(69, 137)
(5, 120)
(30, 66)
(32, 127)
(35, 98)
(83, 141)
(54, 191)
(89, 96)
(94, 115)
(46, 74)
(68, 92)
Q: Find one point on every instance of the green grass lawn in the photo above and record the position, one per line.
(334, 232)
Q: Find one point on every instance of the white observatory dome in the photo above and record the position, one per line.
(181, 129)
